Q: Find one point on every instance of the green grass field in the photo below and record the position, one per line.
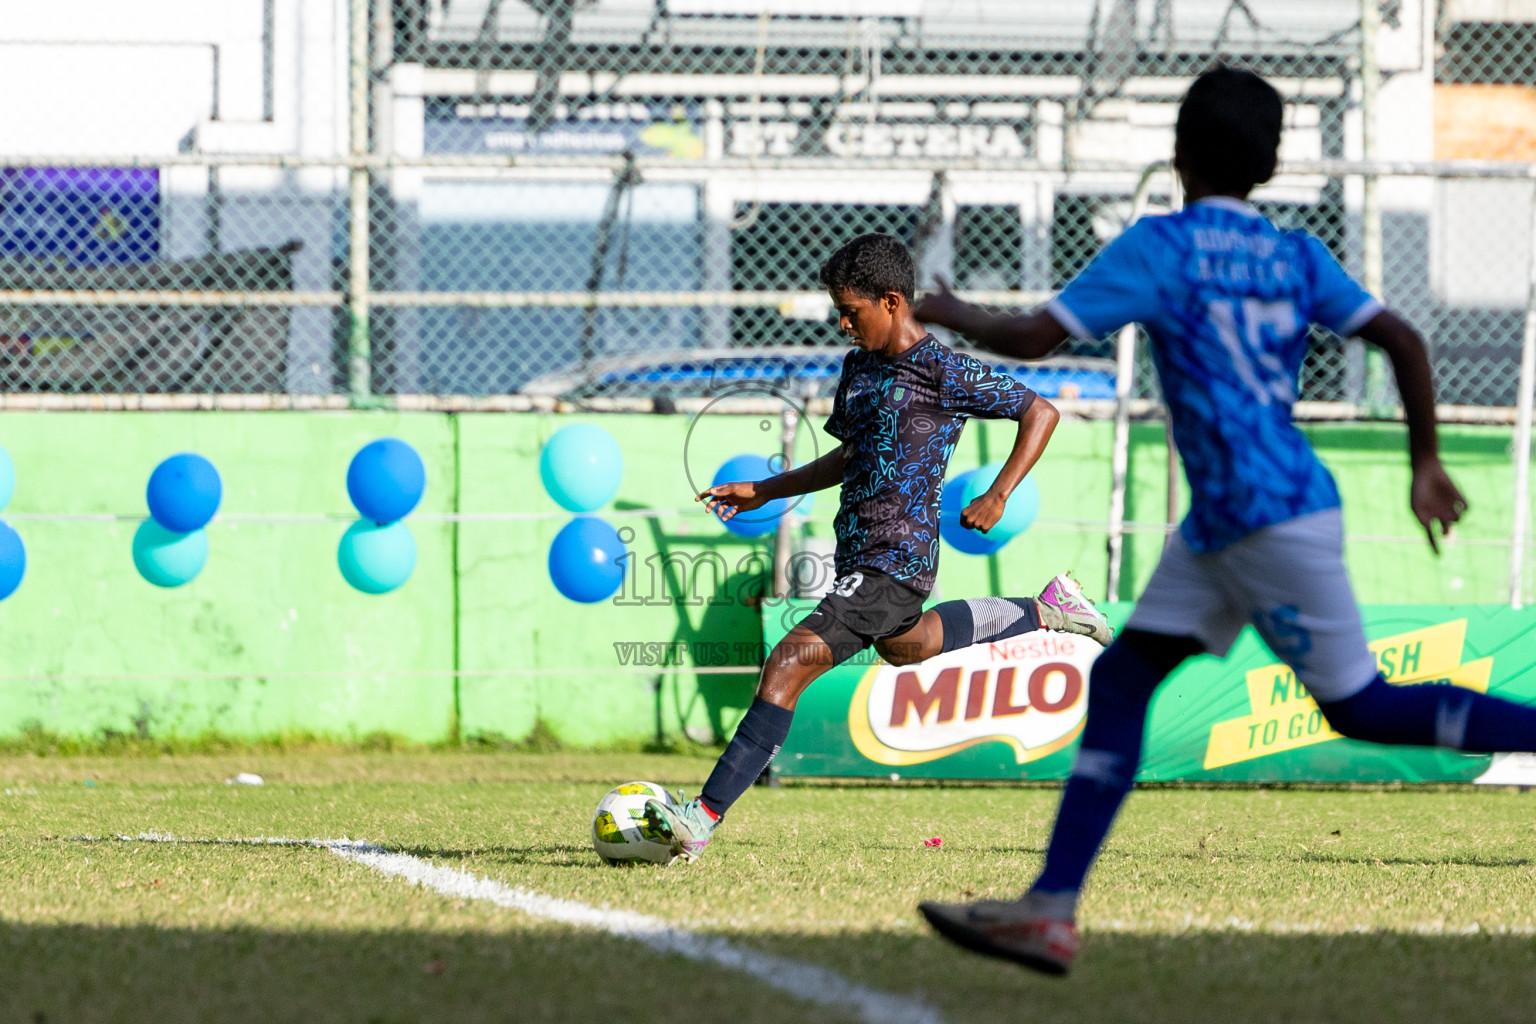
(1208, 905)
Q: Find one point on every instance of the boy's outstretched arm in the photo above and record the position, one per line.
(1433, 496)
(725, 500)
(1035, 428)
(1023, 335)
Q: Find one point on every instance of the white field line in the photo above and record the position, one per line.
(795, 978)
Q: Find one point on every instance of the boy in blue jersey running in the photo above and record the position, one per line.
(900, 406)
(1227, 299)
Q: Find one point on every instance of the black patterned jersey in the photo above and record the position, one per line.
(899, 419)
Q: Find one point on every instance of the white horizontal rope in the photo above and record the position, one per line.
(485, 299)
(497, 161)
(362, 673)
(121, 401)
(1082, 408)
(164, 297)
(708, 299)
(236, 520)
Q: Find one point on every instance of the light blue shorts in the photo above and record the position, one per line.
(1289, 581)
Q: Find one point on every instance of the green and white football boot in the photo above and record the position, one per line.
(684, 822)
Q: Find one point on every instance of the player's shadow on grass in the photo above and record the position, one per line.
(713, 584)
(365, 960)
(1219, 853)
(1195, 977)
(383, 971)
(1468, 861)
(1216, 853)
(1015, 850)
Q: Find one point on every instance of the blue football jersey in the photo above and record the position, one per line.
(1227, 299)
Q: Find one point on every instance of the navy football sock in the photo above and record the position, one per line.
(985, 619)
(1119, 691)
(1434, 715)
(759, 736)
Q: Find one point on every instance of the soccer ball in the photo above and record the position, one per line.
(619, 829)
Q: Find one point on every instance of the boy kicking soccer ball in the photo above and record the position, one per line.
(900, 406)
(1227, 298)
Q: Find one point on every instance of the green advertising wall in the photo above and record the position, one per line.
(1243, 718)
(270, 639)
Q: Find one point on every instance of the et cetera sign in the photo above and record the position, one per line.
(1030, 692)
(879, 139)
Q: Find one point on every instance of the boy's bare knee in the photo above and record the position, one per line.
(778, 691)
(792, 665)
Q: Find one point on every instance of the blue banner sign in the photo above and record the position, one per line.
(80, 216)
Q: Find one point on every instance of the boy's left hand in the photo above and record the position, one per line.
(983, 513)
(725, 500)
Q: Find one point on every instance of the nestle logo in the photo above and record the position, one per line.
(1040, 644)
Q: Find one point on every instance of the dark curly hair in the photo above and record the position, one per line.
(869, 266)
(1229, 129)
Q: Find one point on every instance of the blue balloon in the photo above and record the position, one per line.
(581, 467)
(971, 542)
(1022, 507)
(385, 480)
(584, 560)
(7, 479)
(184, 492)
(763, 520)
(13, 560)
(169, 558)
(376, 558)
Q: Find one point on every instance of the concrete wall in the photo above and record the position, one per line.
(270, 638)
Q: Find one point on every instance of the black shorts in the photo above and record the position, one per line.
(864, 606)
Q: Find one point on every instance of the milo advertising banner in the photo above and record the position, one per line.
(1015, 709)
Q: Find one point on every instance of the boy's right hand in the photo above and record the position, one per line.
(1435, 498)
(725, 500)
(983, 513)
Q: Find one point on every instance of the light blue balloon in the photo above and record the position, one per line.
(167, 558)
(585, 560)
(1022, 507)
(970, 542)
(13, 560)
(376, 559)
(581, 467)
(7, 478)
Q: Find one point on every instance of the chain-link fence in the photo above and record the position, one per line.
(597, 199)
